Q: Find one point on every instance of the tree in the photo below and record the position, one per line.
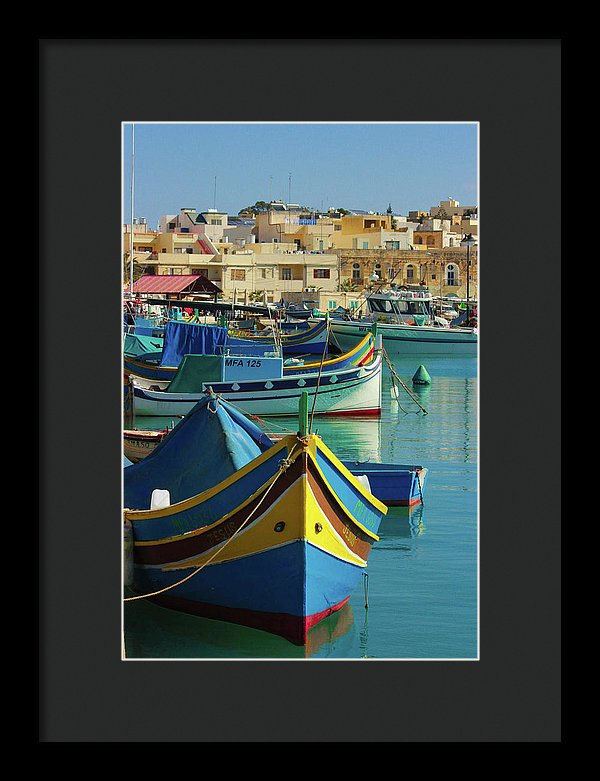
(348, 286)
(138, 270)
(259, 206)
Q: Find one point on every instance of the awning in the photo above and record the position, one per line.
(175, 283)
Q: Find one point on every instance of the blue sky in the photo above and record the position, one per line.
(351, 165)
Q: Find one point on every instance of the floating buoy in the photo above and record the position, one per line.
(421, 376)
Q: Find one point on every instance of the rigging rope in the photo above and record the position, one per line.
(282, 466)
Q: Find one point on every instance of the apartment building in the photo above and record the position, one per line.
(291, 253)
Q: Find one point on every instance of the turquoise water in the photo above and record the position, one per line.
(422, 576)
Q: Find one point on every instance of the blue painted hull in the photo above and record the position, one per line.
(310, 584)
(396, 485)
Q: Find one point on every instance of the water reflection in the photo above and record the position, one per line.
(154, 632)
(364, 637)
(430, 546)
(401, 522)
(357, 440)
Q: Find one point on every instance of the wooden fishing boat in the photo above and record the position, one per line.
(260, 390)
(395, 485)
(274, 536)
(141, 368)
(139, 443)
(181, 339)
(306, 341)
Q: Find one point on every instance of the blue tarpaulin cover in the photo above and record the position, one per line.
(191, 339)
(211, 443)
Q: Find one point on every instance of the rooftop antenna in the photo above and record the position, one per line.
(289, 189)
(215, 195)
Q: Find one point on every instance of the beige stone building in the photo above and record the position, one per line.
(292, 254)
(463, 218)
(442, 270)
(269, 271)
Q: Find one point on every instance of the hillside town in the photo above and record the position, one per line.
(279, 251)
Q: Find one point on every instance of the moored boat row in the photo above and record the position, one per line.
(219, 512)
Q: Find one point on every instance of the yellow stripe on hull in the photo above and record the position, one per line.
(186, 504)
(302, 518)
(372, 500)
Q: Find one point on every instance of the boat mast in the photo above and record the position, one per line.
(131, 235)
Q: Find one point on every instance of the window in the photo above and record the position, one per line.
(355, 271)
(238, 274)
(365, 245)
(353, 304)
(331, 304)
(391, 272)
(286, 273)
(215, 222)
(451, 276)
(410, 272)
(322, 273)
(189, 251)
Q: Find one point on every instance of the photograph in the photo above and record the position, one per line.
(300, 390)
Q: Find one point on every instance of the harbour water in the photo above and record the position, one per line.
(421, 585)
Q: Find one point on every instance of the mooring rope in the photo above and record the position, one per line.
(419, 484)
(402, 383)
(253, 417)
(282, 467)
(396, 395)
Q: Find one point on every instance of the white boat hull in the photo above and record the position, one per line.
(399, 340)
(353, 392)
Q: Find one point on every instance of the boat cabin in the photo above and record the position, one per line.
(401, 306)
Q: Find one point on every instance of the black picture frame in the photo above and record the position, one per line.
(88, 87)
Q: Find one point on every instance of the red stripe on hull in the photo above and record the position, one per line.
(355, 413)
(310, 621)
(292, 628)
(402, 502)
